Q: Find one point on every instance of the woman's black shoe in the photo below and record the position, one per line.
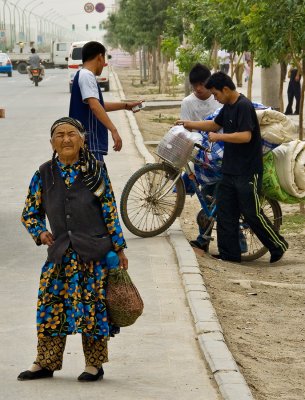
(86, 377)
(29, 375)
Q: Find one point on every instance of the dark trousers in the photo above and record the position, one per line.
(238, 194)
(294, 91)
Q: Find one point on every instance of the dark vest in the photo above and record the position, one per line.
(97, 137)
(75, 217)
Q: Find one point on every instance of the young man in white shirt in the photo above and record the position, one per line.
(201, 103)
(196, 107)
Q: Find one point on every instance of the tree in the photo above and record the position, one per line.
(213, 24)
(277, 31)
(140, 23)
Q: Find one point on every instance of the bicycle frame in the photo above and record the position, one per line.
(208, 212)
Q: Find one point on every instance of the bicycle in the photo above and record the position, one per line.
(154, 197)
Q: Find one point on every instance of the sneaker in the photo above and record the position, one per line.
(277, 254)
(198, 245)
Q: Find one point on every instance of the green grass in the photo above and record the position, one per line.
(293, 223)
(164, 118)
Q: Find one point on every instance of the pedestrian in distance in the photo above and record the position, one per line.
(224, 60)
(240, 187)
(74, 191)
(293, 91)
(87, 104)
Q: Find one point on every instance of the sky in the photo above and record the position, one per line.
(68, 12)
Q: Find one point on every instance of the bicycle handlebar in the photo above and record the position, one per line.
(206, 149)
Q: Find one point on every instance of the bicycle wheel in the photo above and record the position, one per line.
(152, 199)
(255, 249)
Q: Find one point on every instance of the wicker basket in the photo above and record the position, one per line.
(176, 147)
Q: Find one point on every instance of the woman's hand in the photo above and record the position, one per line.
(46, 238)
(123, 260)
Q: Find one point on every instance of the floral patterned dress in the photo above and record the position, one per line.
(71, 294)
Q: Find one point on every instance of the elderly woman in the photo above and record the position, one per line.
(74, 192)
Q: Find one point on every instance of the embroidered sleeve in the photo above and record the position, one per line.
(33, 216)
(110, 214)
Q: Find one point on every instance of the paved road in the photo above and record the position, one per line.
(158, 357)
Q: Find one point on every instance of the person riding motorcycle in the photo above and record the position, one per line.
(34, 62)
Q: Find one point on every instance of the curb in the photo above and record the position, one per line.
(148, 158)
(230, 381)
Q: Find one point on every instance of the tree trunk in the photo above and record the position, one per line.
(134, 61)
(270, 83)
(150, 65)
(154, 79)
(250, 81)
(163, 75)
(283, 77)
(145, 53)
(301, 116)
(214, 57)
(232, 55)
(141, 66)
(187, 85)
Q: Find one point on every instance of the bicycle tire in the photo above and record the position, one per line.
(276, 220)
(168, 217)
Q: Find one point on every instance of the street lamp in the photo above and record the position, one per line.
(43, 23)
(50, 23)
(53, 24)
(17, 37)
(10, 24)
(14, 19)
(30, 12)
(24, 18)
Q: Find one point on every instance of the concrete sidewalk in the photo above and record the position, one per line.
(231, 383)
(158, 357)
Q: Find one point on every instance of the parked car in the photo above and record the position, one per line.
(5, 65)
(75, 63)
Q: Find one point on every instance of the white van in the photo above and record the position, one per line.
(75, 63)
(60, 51)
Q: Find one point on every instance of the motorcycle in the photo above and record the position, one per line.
(36, 75)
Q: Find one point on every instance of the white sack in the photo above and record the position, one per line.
(276, 127)
(289, 159)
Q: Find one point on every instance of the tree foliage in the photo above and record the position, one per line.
(138, 23)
